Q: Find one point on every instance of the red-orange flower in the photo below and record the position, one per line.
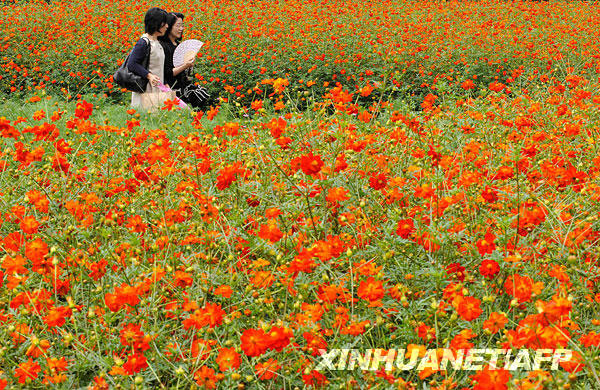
(27, 371)
(495, 322)
(83, 110)
(136, 224)
(371, 289)
(337, 194)
(227, 175)
(311, 164)
(486, 245)
(519, 287)
(210, 315)
(135, 363)
(254, 342)
(489, 268)
(205, 377)
(405, 228)
(29, 225)
(270, 231)
(57, 316)
(491, 379)
(468, 308)
(496, 86)
(170, 104)
(468, 84)
(228, 359)
(267, 370)
(224, 291)
(378, 181)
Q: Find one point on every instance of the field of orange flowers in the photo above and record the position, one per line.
(407, 48)
(414, 176)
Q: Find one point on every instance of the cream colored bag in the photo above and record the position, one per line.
(153, 101)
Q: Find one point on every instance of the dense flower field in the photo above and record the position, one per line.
(411, 176)
(407, 48)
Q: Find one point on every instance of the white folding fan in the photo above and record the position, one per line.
(186, 50)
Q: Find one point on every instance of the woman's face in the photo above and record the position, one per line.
(177, 30)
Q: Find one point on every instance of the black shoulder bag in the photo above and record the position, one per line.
(129, 80)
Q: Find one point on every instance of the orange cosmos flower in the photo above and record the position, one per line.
(491, 379)
(15, 265)
(29, 225)
(365, 116)
(224, 291)
(256, 105)
(314, 343)
(468, 84)
(280, 337)
(205, 377)
(279, 85)
(337, 194)
(519, 287)
(123, 295)
(83, 110)
(468, 308)
(39, 115)
(355, 328)
(57, 365)
(405, 228)
(311, 164)
(210, 315)
(576, 364)
(425, 332)
(36, 250)
(486, 245)
(228, 359)
(267, 370)
(212, 113)
(37, 347)
(13, 241)
(28, 370)
(496, 86)
(554, 310)
(201, 349)
(461, 340)
(227, 175)
(38, 199)
(262, 279)
(254, 342)
(136, 225)
(489, 268)
(171, 104)
(270, 231)
(378, 181)
(371, 289)
(57, 316)
(495, 322)
(135, 363)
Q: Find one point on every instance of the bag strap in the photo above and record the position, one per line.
(147, 62)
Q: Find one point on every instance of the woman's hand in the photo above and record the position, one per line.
(153, 79)
(186, 65)
(189, 63)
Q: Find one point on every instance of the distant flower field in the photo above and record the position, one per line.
(402, 47)
(410, 176)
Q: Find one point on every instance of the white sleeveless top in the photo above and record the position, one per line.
(156, 66)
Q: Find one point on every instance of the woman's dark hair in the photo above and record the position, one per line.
(171, 20)
(154, 19)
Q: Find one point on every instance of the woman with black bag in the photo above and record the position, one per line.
(177, 77)
(147, 57)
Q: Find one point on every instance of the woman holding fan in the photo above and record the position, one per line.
(177, 76)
